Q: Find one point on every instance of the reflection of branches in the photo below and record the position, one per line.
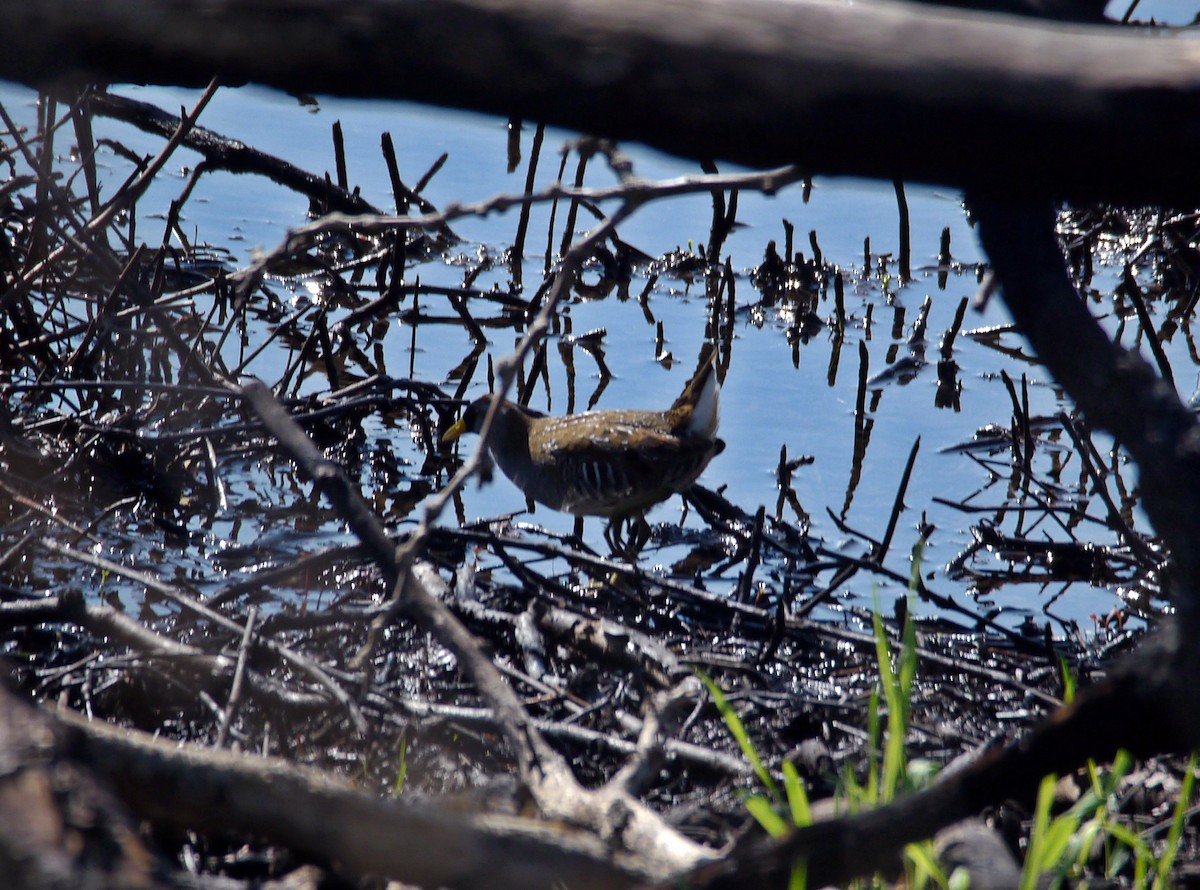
(1034, 501)
(634, 192)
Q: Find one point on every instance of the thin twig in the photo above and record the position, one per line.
(239, 672)
(168, 591)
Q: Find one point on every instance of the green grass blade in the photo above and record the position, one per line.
(897, 683)
(1055, 843)
(764, 813)
(1167, 861)
(797, 797)
(883, 655)
(1127, 842)
(925, 866)
(1037, 834)
(874, 740)
(402, 773)
(1069, 681)
(738, 730)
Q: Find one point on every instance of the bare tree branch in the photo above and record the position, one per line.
(202, 788)
(884, 89)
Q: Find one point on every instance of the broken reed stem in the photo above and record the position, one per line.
(518, 248)
(339, 157)
(898, 503)
(905, 233)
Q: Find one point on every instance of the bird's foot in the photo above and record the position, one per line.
(627, 535)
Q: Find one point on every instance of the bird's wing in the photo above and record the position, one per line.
(626, 464)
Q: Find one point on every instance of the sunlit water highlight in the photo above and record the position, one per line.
(769, 400)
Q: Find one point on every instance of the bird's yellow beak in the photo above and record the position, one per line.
(453, 434)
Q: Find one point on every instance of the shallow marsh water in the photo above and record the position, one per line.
(777, 393)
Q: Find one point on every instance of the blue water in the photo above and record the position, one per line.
(768, 401)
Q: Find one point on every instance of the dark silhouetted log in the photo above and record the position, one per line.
(59, 826)
(883, 89)
(203, 789)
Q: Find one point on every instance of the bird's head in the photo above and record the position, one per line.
(470, 422)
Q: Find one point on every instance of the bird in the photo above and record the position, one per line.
(612, 463)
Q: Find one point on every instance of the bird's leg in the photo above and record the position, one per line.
(577, 532)
(612, 534)
(627, 535)
(639, 531)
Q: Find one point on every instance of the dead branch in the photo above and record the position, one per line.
(222, 153)
(203, 789)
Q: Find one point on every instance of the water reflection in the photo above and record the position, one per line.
(378, 307)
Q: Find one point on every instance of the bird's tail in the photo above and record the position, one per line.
(699, 401)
